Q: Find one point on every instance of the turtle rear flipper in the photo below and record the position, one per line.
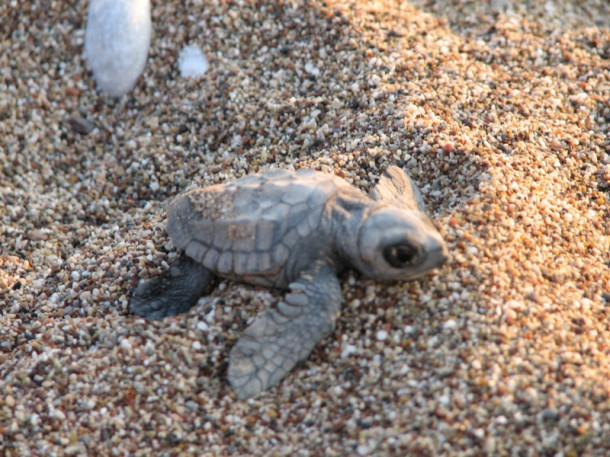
(172, 293)
(280, 338)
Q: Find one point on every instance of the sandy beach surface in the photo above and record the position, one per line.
(499, 109)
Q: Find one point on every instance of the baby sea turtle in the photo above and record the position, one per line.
(292, 230)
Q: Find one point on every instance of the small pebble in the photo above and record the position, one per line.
(117, 38)
(192, 62)
(381, 335)
(449, 324)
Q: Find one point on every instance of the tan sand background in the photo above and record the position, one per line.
(499, 109)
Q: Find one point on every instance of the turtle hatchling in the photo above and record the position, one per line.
(295, 231)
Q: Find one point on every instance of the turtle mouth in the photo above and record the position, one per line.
(435, 257)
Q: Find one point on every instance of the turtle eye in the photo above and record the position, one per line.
(400, 255)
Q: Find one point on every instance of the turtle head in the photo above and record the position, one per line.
(397, 243)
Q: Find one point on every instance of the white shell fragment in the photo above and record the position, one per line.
(116, 43)
(191, 62)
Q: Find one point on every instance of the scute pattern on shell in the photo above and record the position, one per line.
(249, 227)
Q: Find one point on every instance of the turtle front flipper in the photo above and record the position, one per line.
(172, 293)
(397, 188)
(280, 338)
